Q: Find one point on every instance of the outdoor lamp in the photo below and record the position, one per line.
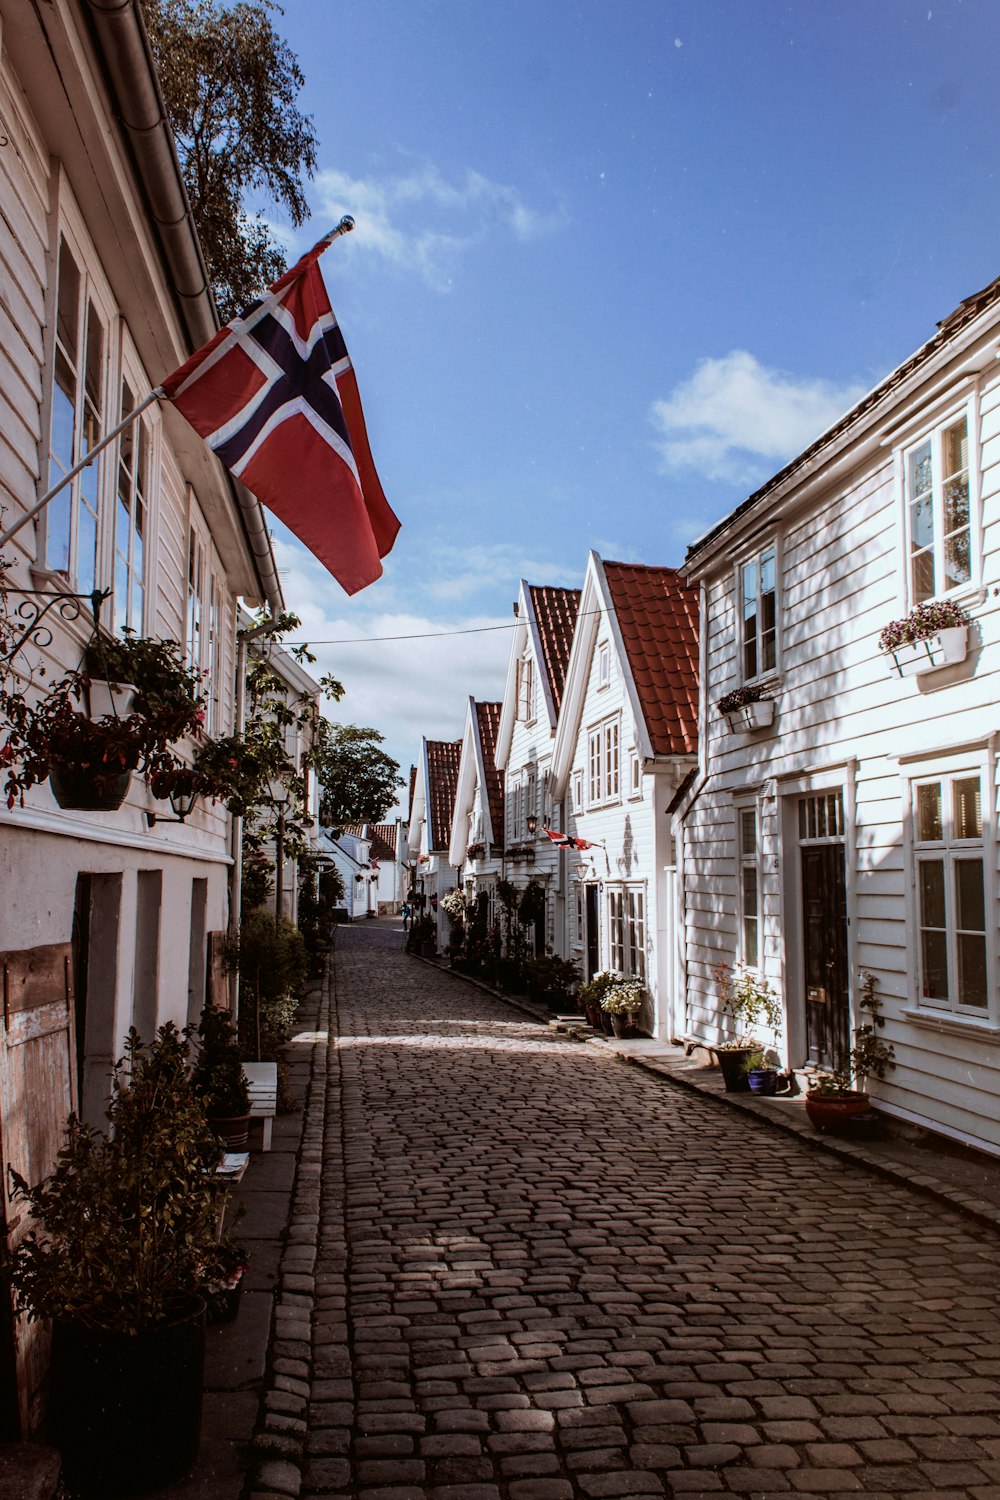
(532, 823)
(182, 800)
(277, 790)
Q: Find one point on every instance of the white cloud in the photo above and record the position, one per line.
(733, 413)
(465, 212)
(453, 573)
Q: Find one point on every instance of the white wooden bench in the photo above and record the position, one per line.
(263, 1080)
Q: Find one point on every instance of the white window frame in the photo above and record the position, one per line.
(577, 791)
(144, 479)
(604, 763)
(525, 689)
(634, 774)
(949, 850)
(92, 293)
(626, 908)
(748, 864)
(603, 666)
(933, 435)
(753, 564)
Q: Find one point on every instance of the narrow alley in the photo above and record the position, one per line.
(541, 1273)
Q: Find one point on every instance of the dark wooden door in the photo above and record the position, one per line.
(824, 924)
(593, 932)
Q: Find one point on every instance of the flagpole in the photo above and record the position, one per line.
(84, 463)
(344, 227)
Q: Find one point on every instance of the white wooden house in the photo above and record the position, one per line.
(626, 741)
(351, 854)
(106, 921)
(851, 826)
(432, 802)
(477, 825)
(528, 716)
(387, 860)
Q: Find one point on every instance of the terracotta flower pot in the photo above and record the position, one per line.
(833, 1112)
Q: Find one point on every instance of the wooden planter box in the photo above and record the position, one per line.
(944, 649)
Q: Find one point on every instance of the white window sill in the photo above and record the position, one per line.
(953, 1025)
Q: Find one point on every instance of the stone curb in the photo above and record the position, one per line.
(278, 1444)
(929, 1186)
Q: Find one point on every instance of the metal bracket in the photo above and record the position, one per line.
(31, 615)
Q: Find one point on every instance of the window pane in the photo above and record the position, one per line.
(63, 413)
(970, 899)
(955, 450)
(86, 560)
(934, 962)
(748, 832)
(922, 575)
(68, 312)
(957, 560)
(932, 893)
(972, 970)
(922, 523)
(967, 809)
(95, 345)
(920, 471)
(929, 812)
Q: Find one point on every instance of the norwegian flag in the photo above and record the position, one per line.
(275, 397)
(565, 841)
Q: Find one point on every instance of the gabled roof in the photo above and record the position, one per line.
(545, 617)
(413, 786)
(381, 838)
(653, 618)
(657, 616)
(443, 758)
(488, 719)
(555, 613)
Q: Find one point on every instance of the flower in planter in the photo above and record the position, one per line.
(454, 904)
(747, 998)
(623, 997)
(750, 692)
(923, 621)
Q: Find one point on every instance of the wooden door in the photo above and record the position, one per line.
(37, 1090)
(593, 934)
(824, 928)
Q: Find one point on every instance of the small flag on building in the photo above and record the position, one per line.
(275, 397)
(565, 841)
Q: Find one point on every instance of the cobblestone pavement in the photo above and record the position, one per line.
(542, 1273)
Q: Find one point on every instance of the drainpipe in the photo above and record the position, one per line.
(121, 40)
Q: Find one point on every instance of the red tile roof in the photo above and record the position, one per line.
(443, 758)
(381, 838)
(658, 618)
(488, 716)
(555, 615)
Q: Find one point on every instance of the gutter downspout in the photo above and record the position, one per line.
(123, 45)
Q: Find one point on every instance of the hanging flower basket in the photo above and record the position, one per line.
(929, 637)
(81, 788)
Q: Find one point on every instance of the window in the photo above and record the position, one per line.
(634, 774)
(131, 524)
(939, 528)
(78, 385)
(603, 665)
(577, 790)
(603, 781)
(950, 873)
(525, 689)
(195, 599)
(627, 930)
(758, 591)
(530, 801)
(749, 885)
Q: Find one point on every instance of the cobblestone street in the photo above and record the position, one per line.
(543, 1273)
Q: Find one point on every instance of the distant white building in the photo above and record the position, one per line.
(432, 802)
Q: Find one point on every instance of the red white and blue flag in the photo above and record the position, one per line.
(565, 841)
(275, 397)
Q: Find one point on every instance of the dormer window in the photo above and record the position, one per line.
(603, 665)
(525, 689)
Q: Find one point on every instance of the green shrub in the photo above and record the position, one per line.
(273, 963)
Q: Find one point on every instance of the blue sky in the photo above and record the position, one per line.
(612, 267)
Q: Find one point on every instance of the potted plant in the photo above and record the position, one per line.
(218, 1080)
(223, 1278)
(121, 1232)
(762, 1078)
(932, 635)
(622, 1001)
(551, 980)
(163, 686)
(422, 937)
(747, 999)
(747, 707)
(591, 994)
(833, 1102)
